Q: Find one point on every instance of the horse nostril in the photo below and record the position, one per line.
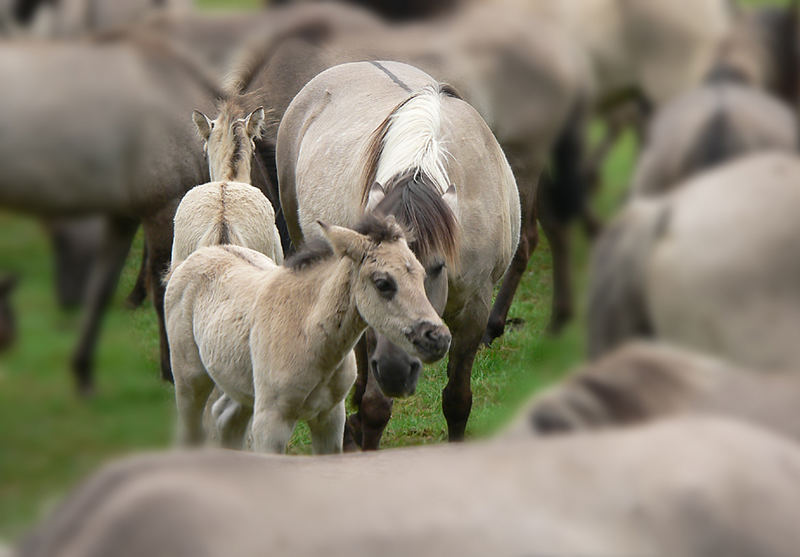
(431, 335)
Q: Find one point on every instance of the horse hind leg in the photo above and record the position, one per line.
(192, 389)
(467, 329)
(102, 281)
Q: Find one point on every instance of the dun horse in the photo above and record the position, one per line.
(691, 487)
(386, 137)
(645, 381)
(709, 266)
(279, 340)
(708, 126)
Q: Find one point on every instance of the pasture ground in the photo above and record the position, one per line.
(49, 439)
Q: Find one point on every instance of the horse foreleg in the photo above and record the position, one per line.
(467, 330)
(271, 430)
(327, 429)
(158, 237)
(102, 281)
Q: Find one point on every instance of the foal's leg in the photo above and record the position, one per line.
(527, 173)
(467, 329)
(271, 429)
(232, 422)
(327, 429)
(192, 388)
(102, 281)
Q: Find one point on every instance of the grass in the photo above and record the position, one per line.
(49, 439)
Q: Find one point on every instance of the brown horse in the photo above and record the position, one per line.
(8, 323)
(100, 127)
(690, 487)
(644, 381)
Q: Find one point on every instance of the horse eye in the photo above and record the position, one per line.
(436, 270)
(385, 285)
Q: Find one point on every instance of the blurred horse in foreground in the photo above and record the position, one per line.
(692, 487)
(387, 138)
(709, 266)
(645, 381)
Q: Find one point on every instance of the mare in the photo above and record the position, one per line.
(643, 381)
(708, 266)
(116, 101)
(708, 126)
(386, 137)
(279, 340)
(525, 79)
(693, 487)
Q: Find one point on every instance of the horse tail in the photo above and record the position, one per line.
(407, 157)
(617, 306)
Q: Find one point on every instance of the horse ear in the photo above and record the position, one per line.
(254, 124)
(202, 123)
(451, 198)
(345, 242)
(375, 196)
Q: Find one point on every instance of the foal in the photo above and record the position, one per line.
(279, 340)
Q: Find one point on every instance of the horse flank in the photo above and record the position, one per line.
(406, 155)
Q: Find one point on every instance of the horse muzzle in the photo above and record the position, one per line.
(430, 341)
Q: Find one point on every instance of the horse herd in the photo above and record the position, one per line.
(364, 189)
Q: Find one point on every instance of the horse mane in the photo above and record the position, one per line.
(406, 156)
(158, 46)
(257, 52)
(378, 228)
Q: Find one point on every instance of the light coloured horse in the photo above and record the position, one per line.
(278, 340)
(525, 79)
(707, 127)
(388, 138)
(95, 127)
(707, 266)
(690, 487)
(643, 381)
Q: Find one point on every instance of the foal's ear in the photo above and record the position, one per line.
(375, 196)
(451, 198)
(345, 242)
(202, 123)
(254, 123)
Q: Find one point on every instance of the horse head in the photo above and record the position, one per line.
(229, 143)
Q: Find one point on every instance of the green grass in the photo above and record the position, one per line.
(49, 439)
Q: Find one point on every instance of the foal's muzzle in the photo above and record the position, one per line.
(430, 341)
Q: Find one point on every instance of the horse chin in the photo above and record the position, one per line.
(395, 382)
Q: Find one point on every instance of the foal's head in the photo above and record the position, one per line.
(229, 143)
(389, 288)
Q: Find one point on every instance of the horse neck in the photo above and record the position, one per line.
(236, 172)
(334, 308)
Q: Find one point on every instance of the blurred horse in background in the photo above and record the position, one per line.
(707, 127)
(105, 115)
(708, 266)
(644, 381)
(385, 137)
(692, 487)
